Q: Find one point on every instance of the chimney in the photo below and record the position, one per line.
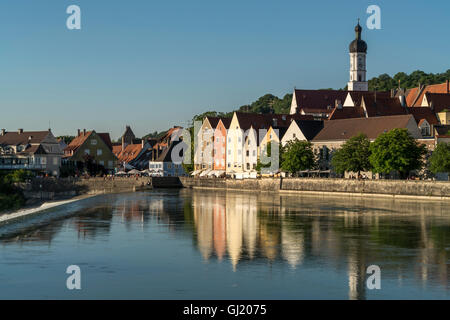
(20, 131)
(392, 93)
(3, 132)
(142, 143)
(123, 143)
(84, 132)
(78, 132)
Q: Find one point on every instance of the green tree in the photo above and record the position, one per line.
(353, 156)
(440, 159)
(296, 156)
(396, 150)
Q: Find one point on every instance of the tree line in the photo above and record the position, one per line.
(393, 151)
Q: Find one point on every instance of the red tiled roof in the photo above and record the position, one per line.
(318, 99)
(265, 121)
(439, 101)
(420, 113)
(14, 138)
(382, 106)
(346, 113)
(79, 140)
(372, 127)
(415, 96)
(130, 153)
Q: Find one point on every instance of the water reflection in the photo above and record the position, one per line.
(408, 240)
(401, 237)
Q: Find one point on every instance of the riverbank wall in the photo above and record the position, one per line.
(432, 190)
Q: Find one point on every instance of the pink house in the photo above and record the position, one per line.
(220, 144)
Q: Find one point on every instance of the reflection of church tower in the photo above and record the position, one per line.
(234, 232)
(292, 245)
(358, 52)
(356, 272)
(249, 224)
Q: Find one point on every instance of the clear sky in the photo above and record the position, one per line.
(155, 64)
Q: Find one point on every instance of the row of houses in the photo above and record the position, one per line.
(89, 151)
(235, 145)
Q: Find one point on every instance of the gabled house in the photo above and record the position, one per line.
(415, 96)
(204, 153)
(91, 148)
(302, 130)
(170, 162)
(246, 132)
(220, 144)
(38, 151)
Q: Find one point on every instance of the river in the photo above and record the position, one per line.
(197, 244)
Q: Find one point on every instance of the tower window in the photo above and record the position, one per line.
(359, 78)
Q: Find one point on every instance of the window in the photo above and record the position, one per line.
(99, 152)
(229, 165)
(87, 151)
(102, 163)
(94, 142)
(294, 136)
(248, 153)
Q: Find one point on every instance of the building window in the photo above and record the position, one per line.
(99, 152)
(87, 151)
(248, 153)
(94, 142)
(102, 163)
(293, 136)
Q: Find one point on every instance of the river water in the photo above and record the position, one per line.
(192, 244)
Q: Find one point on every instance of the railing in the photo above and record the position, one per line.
(22, 166)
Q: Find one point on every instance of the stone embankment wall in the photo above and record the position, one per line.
(394, 188)
(51, 189)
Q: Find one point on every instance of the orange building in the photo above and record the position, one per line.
(220, 143)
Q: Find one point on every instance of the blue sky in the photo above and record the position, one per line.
(155, 64)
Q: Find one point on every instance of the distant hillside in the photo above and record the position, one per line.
(385, 82)
(155, 135)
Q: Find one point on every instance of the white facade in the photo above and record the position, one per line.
(358, 80)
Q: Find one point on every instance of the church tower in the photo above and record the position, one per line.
(358, 52)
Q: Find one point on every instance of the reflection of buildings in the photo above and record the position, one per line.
(346, 236)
